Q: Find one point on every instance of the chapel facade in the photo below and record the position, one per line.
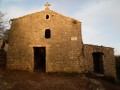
(51, 42)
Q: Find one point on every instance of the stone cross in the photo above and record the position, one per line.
(47, 5)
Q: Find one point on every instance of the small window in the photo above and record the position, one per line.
(47, 16)
(47, 33)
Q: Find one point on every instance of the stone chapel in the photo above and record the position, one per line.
(51, 42)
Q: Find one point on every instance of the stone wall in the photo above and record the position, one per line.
(108, 59)
(63, 49)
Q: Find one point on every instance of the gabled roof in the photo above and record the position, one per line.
(46, 10)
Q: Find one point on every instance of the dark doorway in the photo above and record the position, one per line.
(39, 58)
(98, 62)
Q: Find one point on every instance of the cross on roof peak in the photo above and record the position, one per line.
(47, 5)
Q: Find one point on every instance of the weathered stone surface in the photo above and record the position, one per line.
(61, 49)
(65, 51)
(108, 59)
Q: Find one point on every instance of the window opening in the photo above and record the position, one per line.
(47, 33)
(47, 16)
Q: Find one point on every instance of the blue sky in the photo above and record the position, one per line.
(100, 18)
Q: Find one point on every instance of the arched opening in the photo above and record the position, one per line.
(47, 33)
(47, 16)
(98, 62)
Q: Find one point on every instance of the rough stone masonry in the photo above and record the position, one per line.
(51, 42)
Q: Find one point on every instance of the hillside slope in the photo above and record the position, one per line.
(22, 80)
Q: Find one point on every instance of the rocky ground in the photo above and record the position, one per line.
(23, 80)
